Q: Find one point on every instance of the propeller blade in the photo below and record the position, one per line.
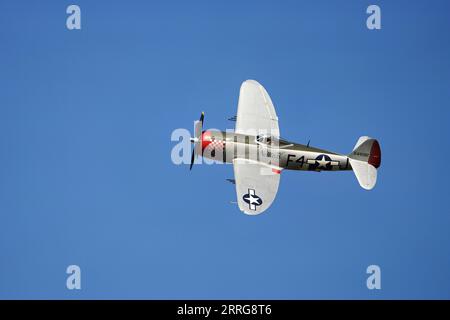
(192, 158)
(197, 149)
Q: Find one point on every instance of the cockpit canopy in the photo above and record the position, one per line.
(270, 140)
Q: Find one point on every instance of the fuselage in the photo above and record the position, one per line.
(278, 153)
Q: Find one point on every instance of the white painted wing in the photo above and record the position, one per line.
(256, 112)
(256, 185)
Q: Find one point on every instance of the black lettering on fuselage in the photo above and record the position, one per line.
(300, 160)
(289, 159)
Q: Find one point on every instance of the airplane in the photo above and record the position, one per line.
(259, 154)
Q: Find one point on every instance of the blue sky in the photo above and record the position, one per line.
(86, 176)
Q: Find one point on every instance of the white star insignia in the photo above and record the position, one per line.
(322, 163)
(253, 200)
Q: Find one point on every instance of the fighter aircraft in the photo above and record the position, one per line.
(259, 154)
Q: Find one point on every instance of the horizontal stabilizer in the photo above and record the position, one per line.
(365, 173)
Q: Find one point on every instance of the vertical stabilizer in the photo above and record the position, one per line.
(365, 159)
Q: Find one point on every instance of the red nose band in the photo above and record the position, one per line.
(206, 139)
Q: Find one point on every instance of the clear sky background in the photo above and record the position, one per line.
(86, 176)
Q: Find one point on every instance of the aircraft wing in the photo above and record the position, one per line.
(256, 185)
(256, 111)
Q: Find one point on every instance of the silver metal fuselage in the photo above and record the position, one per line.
(226, 146)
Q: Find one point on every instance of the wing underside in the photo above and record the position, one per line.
(256, 185)
(256, 112)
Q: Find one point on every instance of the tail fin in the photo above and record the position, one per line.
(365, 159)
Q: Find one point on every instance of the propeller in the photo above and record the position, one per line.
(197, 149)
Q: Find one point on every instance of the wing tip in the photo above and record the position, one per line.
(251, 82)
(248, 213)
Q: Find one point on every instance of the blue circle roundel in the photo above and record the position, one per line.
(252, 199)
